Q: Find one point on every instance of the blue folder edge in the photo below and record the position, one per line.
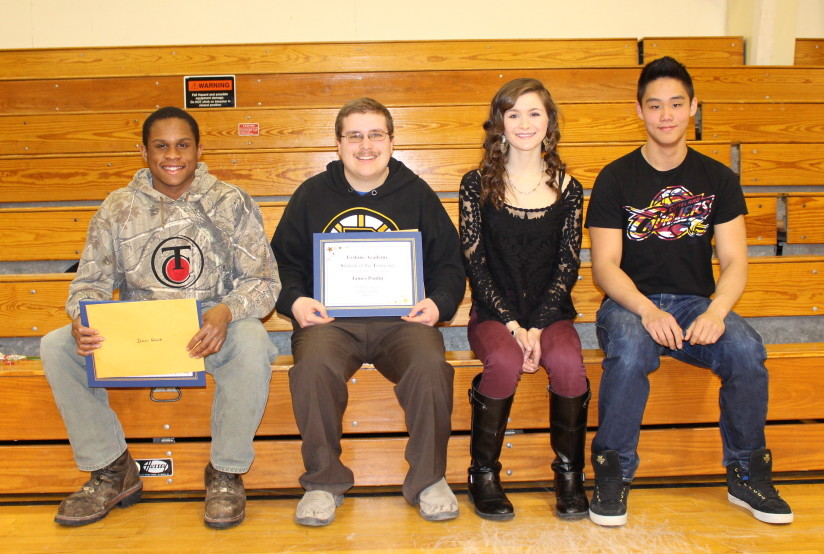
(196, 379)
(359, 311)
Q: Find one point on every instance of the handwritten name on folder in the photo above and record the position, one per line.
(144, 338)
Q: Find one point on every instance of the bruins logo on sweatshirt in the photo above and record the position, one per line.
(360, 220)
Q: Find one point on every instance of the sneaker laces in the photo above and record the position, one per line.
(610, 489)
(764, 488)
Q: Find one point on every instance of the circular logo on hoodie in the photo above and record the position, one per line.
(177, 262)
(360, 220)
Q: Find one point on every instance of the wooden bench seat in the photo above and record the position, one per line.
(374, 438)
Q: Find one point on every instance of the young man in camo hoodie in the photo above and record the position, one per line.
(174, 232)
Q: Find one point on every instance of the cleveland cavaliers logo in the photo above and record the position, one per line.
(674, 213)
(359, 220)
(177, 262)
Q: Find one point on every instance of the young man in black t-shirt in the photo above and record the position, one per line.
(652, 217)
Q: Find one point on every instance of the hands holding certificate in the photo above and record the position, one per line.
(208, 340)
(308, 311)
(425, 312)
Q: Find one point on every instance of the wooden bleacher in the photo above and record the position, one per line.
(69, 129)
(712, 51)
(809, 51)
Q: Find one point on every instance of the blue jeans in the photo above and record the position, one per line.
(241, 370)
(631, 355)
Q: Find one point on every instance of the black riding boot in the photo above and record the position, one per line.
(568, 433)
(489, 417)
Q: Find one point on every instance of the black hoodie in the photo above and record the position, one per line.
(327, 203)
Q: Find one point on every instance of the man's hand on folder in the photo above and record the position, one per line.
(212, 333)
(88, 340)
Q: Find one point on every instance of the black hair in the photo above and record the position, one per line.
(665, 67)
(170, 112)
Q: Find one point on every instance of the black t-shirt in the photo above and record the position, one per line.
(667, 218)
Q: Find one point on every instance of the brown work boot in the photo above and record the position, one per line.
(118, 483)
(225, 498)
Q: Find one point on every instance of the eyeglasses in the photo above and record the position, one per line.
(357, 136)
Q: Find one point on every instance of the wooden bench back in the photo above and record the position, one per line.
(277, 172)
(782, 122)
(327, 57)
(809, 51)
(777, 164)
(32, 305)
(41, 234)
(733, 83)
(715, 51)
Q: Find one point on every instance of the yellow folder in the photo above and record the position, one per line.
(144, 338)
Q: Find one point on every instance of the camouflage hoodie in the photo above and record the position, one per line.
(208, 244)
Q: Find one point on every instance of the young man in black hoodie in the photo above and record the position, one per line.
(368, 190)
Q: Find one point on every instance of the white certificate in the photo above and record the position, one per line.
(368, 274)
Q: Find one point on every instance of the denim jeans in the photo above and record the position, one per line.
(631, 355)
(241, 370)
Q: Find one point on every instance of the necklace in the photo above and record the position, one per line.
(519, 191)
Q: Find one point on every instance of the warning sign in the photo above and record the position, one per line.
(248, 129)
(212, 91)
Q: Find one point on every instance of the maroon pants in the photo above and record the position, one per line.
(502, 357)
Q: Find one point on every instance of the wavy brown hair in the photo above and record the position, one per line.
(493, 164)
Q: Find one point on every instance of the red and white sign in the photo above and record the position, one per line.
(248, 129)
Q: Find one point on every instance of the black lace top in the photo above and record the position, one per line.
(522, 263)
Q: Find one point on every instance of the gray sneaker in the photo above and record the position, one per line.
(317, 508)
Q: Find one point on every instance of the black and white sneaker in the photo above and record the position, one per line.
(754, 490)
(609, 501)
